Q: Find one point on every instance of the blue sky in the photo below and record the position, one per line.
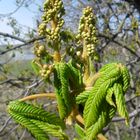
(24, 16)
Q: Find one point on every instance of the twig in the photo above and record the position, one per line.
(15, 10)
(119, 43)
(21, 45)
(132, 98)
(131, 115)
(10, 131)
(31, 86)
(23, 134)
(5, 124)
(12, 36)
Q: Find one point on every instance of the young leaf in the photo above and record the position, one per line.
(80, 131)
(109, 97)
(82, 97)
(120, 101)
(35, 67)
(34, 112)
(53, 130)
(38, 133)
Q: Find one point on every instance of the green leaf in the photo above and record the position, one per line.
(109, 97)
(53, 130)
(95, 101)
(35, 67)
(105, 117)
(120, 101)
(61, 83)
(82, 97)
(75, 76)
(80, 131)
(125, 78)
(64, 79)
(34, 112)
(38, 133)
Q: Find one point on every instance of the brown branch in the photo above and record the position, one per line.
(131, 115)
(12, 36)
(15, 10)
(132, 98)
(21, 45)
(119, 43)
(5, 124)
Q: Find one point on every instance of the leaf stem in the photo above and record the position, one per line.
(85, 57)
(92, 79)
(36, 96)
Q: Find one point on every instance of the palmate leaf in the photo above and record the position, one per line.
(125, 78)
(105, 81)
(120, 101)
(38, 133)
(96, 116)
(94, 102)
(50, 129)
(60, 101)
(61, 83)
(64, 79)
(34, 112)
(109, 97)
(75, 76)
(80, 131)
(105, 117)
(83, 96)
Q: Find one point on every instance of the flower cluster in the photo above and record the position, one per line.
(39, 50)
(41, 57)
(53, 11)
(46, 70)
(87, 31)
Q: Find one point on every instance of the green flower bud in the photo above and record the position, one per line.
(45, 66)
(41, 48)
(78, 53)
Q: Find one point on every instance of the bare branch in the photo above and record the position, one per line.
(131, 115)
(14, 11)
(112, 39)
(21, 45)
(5, 124)
(12, 36)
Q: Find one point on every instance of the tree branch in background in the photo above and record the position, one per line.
(12, 37)
(21, 45)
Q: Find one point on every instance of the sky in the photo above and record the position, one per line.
(25, 16)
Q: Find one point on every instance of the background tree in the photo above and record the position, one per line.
(118, 34)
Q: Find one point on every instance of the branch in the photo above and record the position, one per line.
(135, 3)
(5, 124)
(131, 115)
(15, 10)
(21, 45)
(13, 37)
(119, 43)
